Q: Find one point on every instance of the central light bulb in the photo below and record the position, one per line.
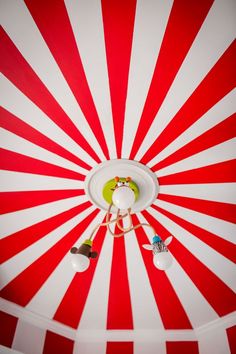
(123, 197)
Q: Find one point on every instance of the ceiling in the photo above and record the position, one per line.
(83, 82)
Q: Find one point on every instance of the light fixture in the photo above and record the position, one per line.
(135, 190)
(80, 256)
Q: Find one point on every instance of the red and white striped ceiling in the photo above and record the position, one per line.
(85, 81)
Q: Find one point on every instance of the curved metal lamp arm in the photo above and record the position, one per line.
(119, 217)
(108, 222)
(130, 221)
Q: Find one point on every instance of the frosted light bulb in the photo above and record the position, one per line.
(80, 263)
(162, 260)
(123, 197)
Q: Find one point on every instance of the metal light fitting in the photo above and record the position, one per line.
(134, 191)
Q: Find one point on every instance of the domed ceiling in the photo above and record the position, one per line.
(87, 81)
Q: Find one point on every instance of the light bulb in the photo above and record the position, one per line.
(80, 263)
(162, 260)
(123, 197)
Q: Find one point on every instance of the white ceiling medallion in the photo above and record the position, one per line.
(145, 179)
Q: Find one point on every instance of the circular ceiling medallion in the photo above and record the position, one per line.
(145, 179)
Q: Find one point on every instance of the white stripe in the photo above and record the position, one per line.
(50, 295)
(218, 192)
(95, 311)
(16, 221)
(18, 104)
(218, 153)
(214, 342)
(223, 322)
(216, 114)
(20, 26)
(6, 350)
(87, 24)
(144, 308)
(218, 264)
(150, 24)
(47, 300)
(221, 228)
(28, 338)
(217, 29)
(13, 142)
(17, 264)
(198, 309)
(19, 181)
(149, 348)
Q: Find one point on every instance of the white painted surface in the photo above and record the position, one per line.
(5, 350)
(149, 348)
(216, 114)
(21, 106)
(28, 339)
(20, 26)
(15, 143)
(144, 308)
(87, 23)
(94, 336)
(150, 23)
(17, 264)
(47, 300)
(12, 181)
(200, 311)
(218, 153)
(218, 264)
(13, 222)
(221, 228)
(95, 311)
(218, 192)
(219, 30)
(214, 342)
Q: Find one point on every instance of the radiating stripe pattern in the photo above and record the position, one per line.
(72, 73)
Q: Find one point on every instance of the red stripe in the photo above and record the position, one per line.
(182, 347)
(119, 302)
(221, 172)
(212, 288)
(17, 242)
(224, 211)
(185, 20)
(224, 247)
(24, 286)
(8, 328)
(12, 161)
(55, 343)
(13, 201)
(72, 305)
(169, 306)
(221, 132)
(118, 21)
(15, 125)
(120, 348)
(53, 22)
(212, 89)
(19, 72)
(231, 333)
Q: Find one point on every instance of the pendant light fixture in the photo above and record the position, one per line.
(134, 191)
